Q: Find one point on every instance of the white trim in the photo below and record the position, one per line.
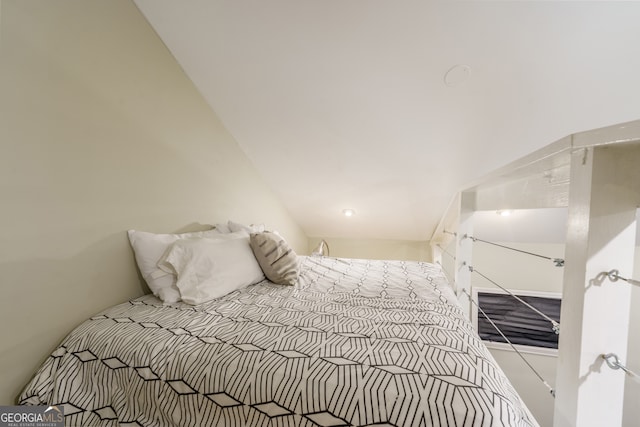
(542, 351)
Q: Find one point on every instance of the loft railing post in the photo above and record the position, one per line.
(464, 250)
(603, 198)
(436, 254)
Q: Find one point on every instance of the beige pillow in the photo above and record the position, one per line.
(276, 258)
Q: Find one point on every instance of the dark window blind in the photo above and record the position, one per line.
(517, 321)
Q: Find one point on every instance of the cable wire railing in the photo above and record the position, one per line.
(508, 341)
(555, 325)
(612, 360)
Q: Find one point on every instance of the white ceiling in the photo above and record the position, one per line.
(343, 104)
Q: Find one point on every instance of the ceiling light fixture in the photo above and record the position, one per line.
(348, 212)
(504, 212)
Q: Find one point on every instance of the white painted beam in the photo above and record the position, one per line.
(464, 250)
(595, 311)
(442, 237)
(547, 189)
(436, 254)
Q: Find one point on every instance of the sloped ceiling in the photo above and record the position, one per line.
(344, 104)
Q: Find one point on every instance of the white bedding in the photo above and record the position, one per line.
(354, 342)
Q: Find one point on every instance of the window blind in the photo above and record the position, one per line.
(518, 323)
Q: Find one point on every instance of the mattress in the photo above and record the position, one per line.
(353, 343)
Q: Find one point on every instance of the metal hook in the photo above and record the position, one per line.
(613, 361)
(614, 276)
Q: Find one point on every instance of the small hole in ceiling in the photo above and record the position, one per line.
(457, 75)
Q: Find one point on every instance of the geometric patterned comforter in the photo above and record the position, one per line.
(354, 342)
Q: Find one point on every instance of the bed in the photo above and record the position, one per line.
(352, 343)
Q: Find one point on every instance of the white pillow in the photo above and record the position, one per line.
(211, 268)
(222, 228)
(236, 227)
(149, 248)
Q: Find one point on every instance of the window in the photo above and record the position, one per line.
(524, 327)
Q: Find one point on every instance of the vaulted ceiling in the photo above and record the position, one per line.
(390, 107)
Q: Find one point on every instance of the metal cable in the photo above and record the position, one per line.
(446, 252)
(551, 390)
(446, 274)
(554, 324)
(559, 262)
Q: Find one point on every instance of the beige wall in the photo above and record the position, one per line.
(100, 131)
(376, 248)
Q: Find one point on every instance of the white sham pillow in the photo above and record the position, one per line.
(149, 248)
(222, 228)
(237, 227)
(211, 268)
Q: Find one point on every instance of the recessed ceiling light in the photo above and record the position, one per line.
(349, 212)
(504, 212)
